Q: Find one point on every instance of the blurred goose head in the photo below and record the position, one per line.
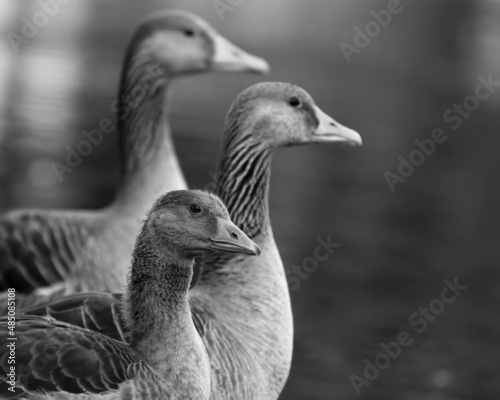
(189, 223)
(281, 114)
(183, 43)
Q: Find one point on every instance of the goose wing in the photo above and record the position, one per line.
(98, 311)
(53, 356)
(102, 312)
(38, 250)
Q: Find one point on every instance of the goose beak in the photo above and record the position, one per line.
(329, 131)
(228, 57)
(229, 238)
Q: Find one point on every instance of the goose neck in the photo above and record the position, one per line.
(156, 302)
(149, 162)
(242, 182)
(142, 113)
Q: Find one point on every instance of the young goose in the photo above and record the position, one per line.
(240, 305)
(53, 356)
(69, 251)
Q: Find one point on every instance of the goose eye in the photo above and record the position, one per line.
(294, 101)
(195, 208)
(188, 32)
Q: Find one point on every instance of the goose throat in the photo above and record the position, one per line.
(157, 293)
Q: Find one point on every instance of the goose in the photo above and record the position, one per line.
(164, 344)
(50, 253)
(240, 305)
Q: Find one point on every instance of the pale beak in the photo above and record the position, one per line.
(230, 238)
(329, 131)
(228, 57)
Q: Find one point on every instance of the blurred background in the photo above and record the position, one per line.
(396, 247)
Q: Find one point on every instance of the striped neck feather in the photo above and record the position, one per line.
(242, 182)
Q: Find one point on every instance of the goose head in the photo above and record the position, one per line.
(190, 223)
(282, 114)
(184, 43)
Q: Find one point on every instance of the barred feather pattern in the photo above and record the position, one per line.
(235, 371)
(147, 385)
(47, 254)
(38, 251)
(53, 356)
(97, 311)
(103, 313)
(242, 182)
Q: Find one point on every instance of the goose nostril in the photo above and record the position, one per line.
(332, 124)
(234, 235)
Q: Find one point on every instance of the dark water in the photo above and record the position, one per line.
(396, 248)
